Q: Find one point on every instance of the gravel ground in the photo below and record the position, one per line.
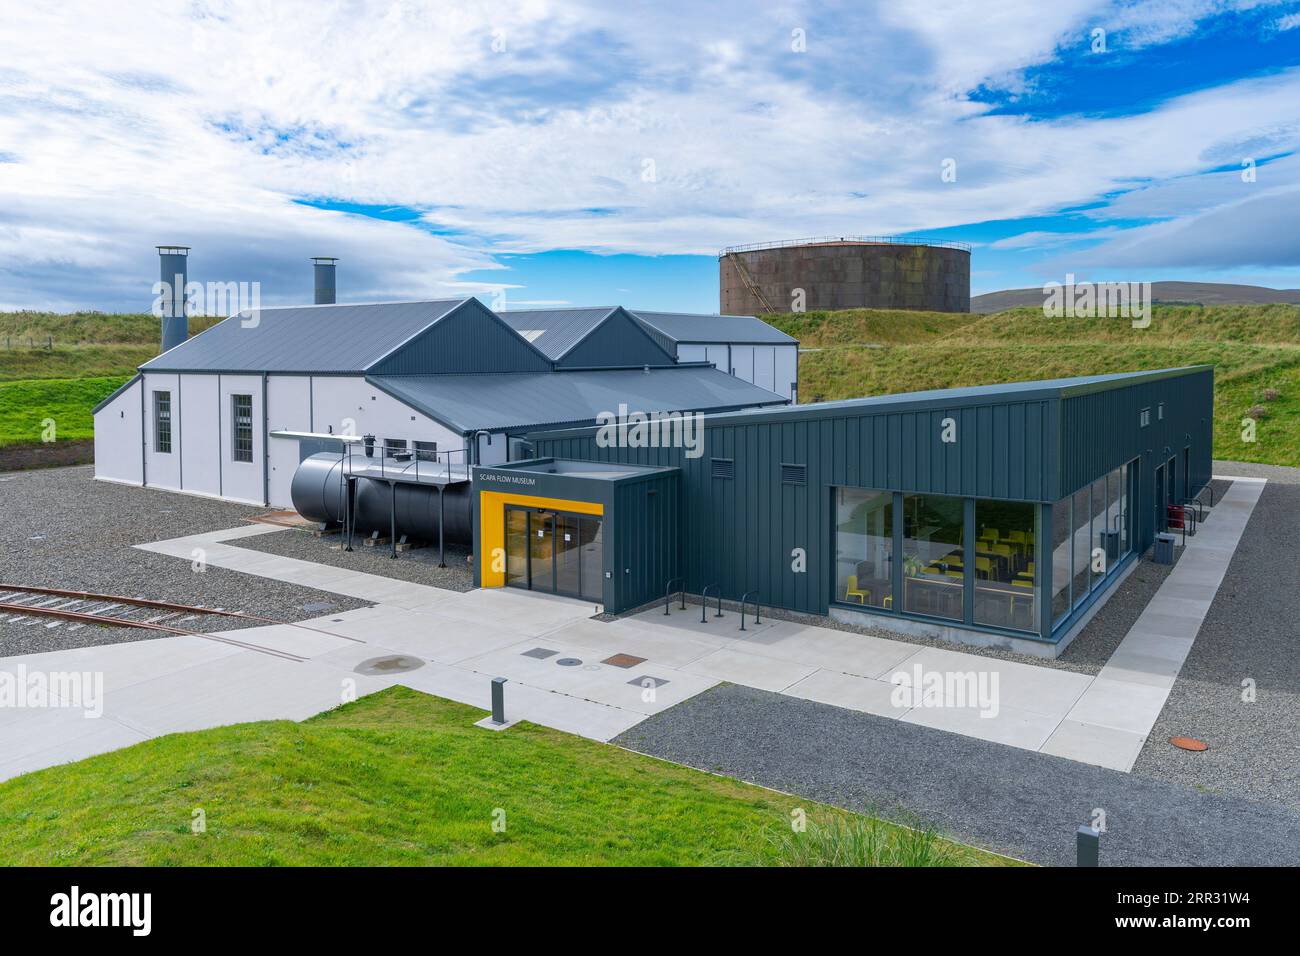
(419, 565)
(1251, 633)
(1016, 802)
(63, 529)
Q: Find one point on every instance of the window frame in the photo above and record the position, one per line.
(236, 454)
(162, 415)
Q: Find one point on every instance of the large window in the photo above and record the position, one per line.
(1091, 534)
(1060, 559)
(162, 422)
(241, 415)
(1081, 540)
(934, 552)
(1006, 577)
(864, 547)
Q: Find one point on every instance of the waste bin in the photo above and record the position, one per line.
(1164, 549)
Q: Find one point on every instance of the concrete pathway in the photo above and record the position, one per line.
(557, 662)
(1109, 723)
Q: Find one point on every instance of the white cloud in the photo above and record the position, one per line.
(122, 126)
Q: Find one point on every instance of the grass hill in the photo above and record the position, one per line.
(1172, 293)
(1255, 350)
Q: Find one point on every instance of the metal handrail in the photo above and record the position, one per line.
(743, 598)
(668, 590)
(875, 240)
(704, 601)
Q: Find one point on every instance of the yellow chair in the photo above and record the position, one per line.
(984, 566)
(1022, 583)
(990, 533)
(1002, 549)
(851, 591)
(1016, 537)
(955, 574)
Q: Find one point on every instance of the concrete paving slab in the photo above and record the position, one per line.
(1120, 704)
(752, 670)
(854, 693)
(1094, 744)
(1010, 725)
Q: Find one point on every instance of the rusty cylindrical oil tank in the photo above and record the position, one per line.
(844, 273)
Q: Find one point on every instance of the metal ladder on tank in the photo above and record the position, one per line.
(749, 282)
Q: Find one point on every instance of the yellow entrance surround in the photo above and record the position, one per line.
(492, 527)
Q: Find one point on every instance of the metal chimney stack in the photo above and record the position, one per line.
(173, 271)
(324, 279)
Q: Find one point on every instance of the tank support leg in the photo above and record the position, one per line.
(392, 518)
(349, 510)
(442, 520)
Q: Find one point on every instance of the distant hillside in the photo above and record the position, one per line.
(1202, 293)
(1255, 351)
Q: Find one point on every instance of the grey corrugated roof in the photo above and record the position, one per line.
(495, 402)
(310, 338)
(560, 329)
(685, 327)
(1055, 388)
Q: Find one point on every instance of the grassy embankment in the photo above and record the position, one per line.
(1254, 348)
(401, 778)
(92, 354)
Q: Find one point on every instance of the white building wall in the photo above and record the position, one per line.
(241, 480)
(289, 404)
(196, 426)
(162, 469)
(773, 367)
(117, 438)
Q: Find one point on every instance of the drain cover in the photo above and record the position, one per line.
(645, 680)
(568, 662)
(541, 653)
(389, 665)
(624, 660)
(1189, 743)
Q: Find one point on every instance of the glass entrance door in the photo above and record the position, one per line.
(555, 552)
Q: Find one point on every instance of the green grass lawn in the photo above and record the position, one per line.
(25, 405)
(400, 777)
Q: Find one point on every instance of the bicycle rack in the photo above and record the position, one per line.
(704, 601)
(743, 599)
(668, 592)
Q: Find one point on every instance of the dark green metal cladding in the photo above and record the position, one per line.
(640, 519)
(1017, 442)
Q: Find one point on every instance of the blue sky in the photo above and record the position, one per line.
(551, 153)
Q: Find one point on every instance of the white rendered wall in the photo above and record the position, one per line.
(241, 480)
(162, 469)
(289, 404)
(773, 367)
(117, 438)
(200, 469)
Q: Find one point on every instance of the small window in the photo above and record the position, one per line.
(241, 436)
(394, 445)
(794, 474)
(162, 422)
(426, 450)
(724, 468)
(1144, 417)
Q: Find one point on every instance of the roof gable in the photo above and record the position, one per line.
(685, 327)
(470, 338)
(618, 341)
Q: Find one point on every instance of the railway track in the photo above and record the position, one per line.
(57, 607)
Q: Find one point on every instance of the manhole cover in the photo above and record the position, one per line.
(645, 680)
(624, 660)
(1189, 743)
(541, 653)
(568, 662)
(389, 665)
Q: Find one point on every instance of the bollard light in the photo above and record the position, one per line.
(1088, 846)
(498, 700)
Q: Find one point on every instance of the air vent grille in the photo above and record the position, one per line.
(724, 468)
(794, 474)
